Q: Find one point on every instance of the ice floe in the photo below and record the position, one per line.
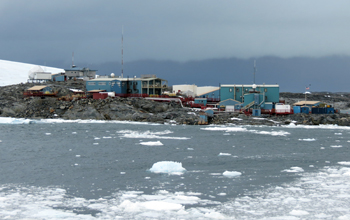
(243, 129)
(148, 134)
(320, 195)
(231, 173)
(294, 170)
(224, 154)
(307, 139)
(152, 143)
(336, 146)
(169, 167)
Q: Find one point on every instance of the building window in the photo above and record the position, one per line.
(230, 90)
(102, 83)
(91, 83)
(237, 90)
(265, 90)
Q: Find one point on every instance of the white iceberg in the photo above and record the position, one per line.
(152, 143)
(231, 173)
(169, 167)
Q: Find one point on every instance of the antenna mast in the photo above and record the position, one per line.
(254, 69)
(73, 60)
(122, 53)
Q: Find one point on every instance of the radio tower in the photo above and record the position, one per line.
(73, 60)
(122, 52)
(254, 69)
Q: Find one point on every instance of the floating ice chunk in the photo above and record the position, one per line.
(338, 133)
(152, 143)
(214, 215)
(148, 134)
(97, 138)
(272, 133)
(74, 132)
(77, 155)
(190, 148)
(227, 129)
(231, 173)
(222, 194)
(95, 143)
(169, 167)
(336, 146)
(107, 137)
(299, 212)
(224, 154)
(294, 170)
(347, 163)
(48, 133)
(307, 139)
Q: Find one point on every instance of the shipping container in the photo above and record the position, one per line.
(296, 109)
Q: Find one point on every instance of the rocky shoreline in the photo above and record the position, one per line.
(66, 106)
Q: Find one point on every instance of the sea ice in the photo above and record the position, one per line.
(224, 154)
(307, 139)
(347, 163)
(336, 146)
(152, 143)
(169, 167)
(231, 173)
(294, 170)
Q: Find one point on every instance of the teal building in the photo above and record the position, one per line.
(143, 85)
(250, 95)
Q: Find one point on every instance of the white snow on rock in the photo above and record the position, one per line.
(16, 72)
(169, 167)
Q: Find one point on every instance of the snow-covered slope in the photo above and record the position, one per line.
(15, 72)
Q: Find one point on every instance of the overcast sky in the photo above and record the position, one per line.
(180, 30)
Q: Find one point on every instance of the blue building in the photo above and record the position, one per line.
(143, 85)
(80, 73)
(247, 94)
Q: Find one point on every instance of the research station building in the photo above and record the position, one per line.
(147, 84)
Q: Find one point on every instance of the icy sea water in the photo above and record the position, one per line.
(96, 170)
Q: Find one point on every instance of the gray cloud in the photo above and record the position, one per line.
(175, 30)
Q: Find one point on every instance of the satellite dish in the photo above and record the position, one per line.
(254, 86)
(112, 75)
(33, 70)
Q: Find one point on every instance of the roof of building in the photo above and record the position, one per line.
(208, 91)
(230, 100)
(246, 85)
(125, 79)
(75, 68)
(36, 88)
(96, 90)
(307, 103)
